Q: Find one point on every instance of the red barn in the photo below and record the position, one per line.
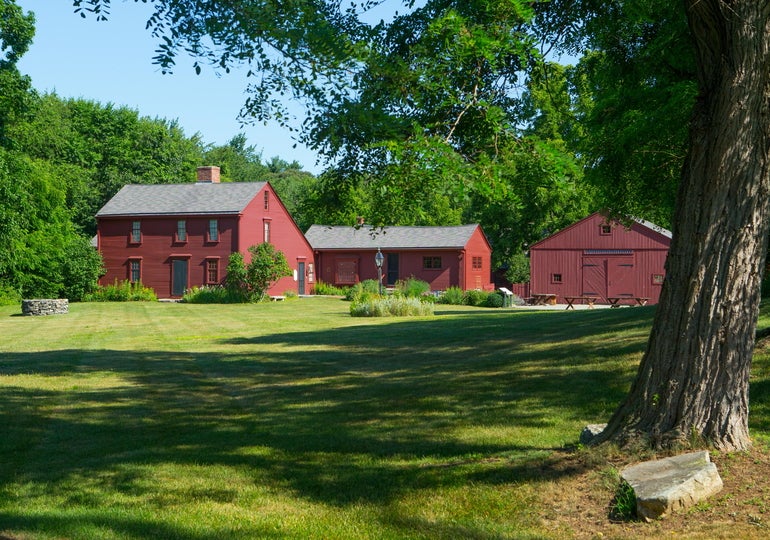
(175, 236)
(601, 258)
(457, 256)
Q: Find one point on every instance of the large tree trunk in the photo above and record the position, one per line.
(693, 382)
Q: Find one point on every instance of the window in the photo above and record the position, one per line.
(181, 231)
(212, 270)
(477, 263)
(135, 270)
(346, 271)
(556, 278)
(213, 230)
(266, 232)
(431, 263)
(657, 279)
(606, 230)
(136, 232)
(267, 200)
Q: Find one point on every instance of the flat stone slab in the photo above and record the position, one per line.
(674, 483)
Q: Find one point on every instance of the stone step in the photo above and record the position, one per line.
(665, 485)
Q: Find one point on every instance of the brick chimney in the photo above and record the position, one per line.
(208, 174)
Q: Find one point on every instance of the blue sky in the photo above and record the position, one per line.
(111, 62)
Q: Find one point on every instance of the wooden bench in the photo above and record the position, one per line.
(542, 299)
(590, 300)
(615, 300)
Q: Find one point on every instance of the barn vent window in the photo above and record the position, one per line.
(477, 263)
(556, 278)
(606, 230)
(431, 263)
(267, 200)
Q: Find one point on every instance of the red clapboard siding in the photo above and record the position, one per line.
(159, 246)
(596, 257)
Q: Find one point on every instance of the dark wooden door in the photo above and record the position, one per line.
(301, 277)
(178, 277)
(392, 273)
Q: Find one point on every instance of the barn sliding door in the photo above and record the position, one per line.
(608, 276)
(620, 277)
(595, 276)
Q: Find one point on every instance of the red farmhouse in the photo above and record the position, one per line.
(443, 256)
(174, 236)
(601, 258)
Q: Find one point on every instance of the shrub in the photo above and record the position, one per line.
(251, 281)
(122, 291)
(81, 268)
(393, 306)
(412, 287)
(453, 296)
(211, 295)
(366, 286)
(517, 268)
(475, 298)
(494, 300)
(330, 290)
(8, 295)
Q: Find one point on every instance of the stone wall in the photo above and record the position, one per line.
(45, 306)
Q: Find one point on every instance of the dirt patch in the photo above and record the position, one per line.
(580, 505)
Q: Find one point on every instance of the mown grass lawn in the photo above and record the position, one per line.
(295, 420)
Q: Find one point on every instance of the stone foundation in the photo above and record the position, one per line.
(45, 306)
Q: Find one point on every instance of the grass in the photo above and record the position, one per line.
(295, 420)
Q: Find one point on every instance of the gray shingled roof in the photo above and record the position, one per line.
(198, 198)
(342, 237)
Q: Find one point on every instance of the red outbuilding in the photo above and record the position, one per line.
(457, 256)
(603, 259)
(172, 237)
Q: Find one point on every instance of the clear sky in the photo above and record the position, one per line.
(111, 62)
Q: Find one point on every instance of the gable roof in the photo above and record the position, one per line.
(366, 237)
(179, 199)
(635, 223)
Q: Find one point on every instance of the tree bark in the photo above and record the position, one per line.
(693, 381)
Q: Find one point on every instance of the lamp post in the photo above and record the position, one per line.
(378, 259)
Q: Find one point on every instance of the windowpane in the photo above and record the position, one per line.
(136, 231)
(477, 263)
(213, 230)
(267, 232)
(135, 274)
(181, 230)
(267, 200)
(212, 271)
(431, 263)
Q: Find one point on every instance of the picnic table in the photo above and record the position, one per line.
(541, 299)
(590, 300)
(615, 300)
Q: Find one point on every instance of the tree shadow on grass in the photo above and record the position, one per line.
(358, 414)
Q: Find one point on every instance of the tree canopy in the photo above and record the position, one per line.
(447, 103)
